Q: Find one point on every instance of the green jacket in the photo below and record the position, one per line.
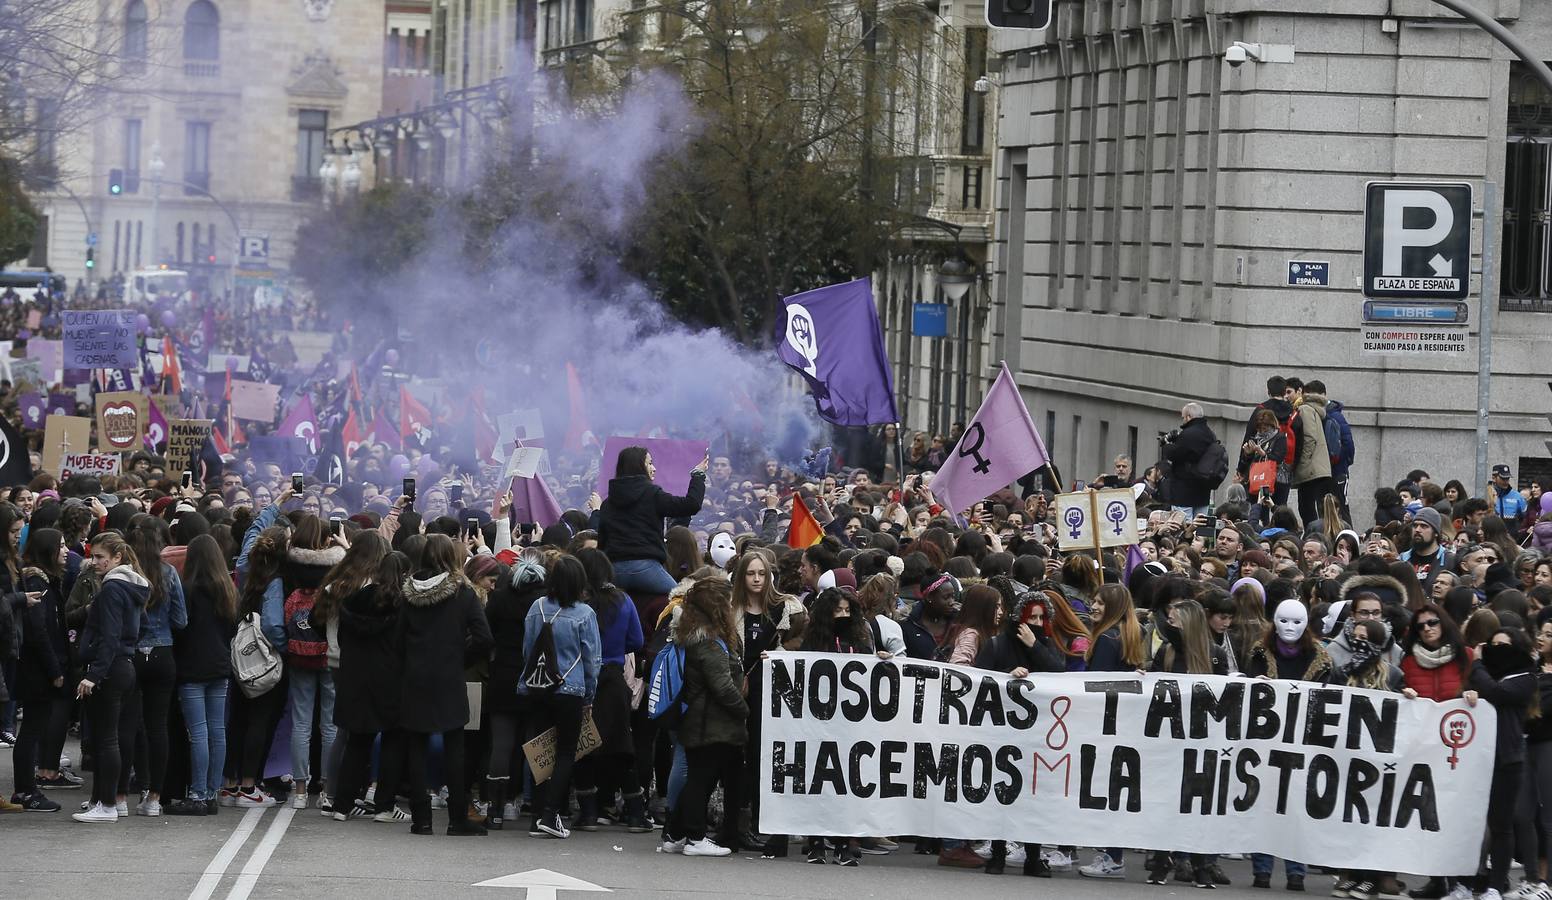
(713, 692)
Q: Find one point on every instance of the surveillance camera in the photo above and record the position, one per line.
(1235, 56)
(983, 85)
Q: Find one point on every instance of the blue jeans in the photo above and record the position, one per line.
(310, 687)
(1261, 864)
(644, 575)
(204, 714)
(677, 775)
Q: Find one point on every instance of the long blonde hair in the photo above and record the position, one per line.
(1193, 638)
(768, 598)
(1120, 613)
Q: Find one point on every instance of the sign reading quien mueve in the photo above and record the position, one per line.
(1327, 776)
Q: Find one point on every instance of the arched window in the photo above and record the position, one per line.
(135, 30)
(202, 31)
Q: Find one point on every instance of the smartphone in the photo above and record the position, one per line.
(455, 493)
(296, 482)
(1080, 486)
(1209, 532)
(188, 479)
(337, 527)
(409, 488)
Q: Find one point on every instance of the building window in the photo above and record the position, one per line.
(970, 188)
(552, 30)
(135, 34)
(202, 31)
(179, 257)
(581, 21)
(47, 137)
(973, 129)
(393, 48)
(131, 156)
(196, 157)
(312, 132)
(1525, 282)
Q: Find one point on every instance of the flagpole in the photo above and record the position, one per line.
(1094, 518)
(899, 461)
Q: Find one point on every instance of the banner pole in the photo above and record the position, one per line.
(1094, 527)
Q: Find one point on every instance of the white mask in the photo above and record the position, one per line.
(722, 549)
(1290, 621)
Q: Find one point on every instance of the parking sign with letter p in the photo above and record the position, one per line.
(1417, 240)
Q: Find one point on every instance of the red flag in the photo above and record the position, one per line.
(170, 368)
(237, 434)
(350, 435)
(217, 438)
(578, 432)
(414, 418)
(804, 531)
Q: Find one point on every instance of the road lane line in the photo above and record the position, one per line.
(228, 852)
(261, 854)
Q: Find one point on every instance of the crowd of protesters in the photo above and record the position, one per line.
(422, 636)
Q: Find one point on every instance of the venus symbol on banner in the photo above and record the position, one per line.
(966, 449)
(802, 337)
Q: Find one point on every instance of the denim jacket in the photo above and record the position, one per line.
(266, 517)
(577, 646)
(156, 625)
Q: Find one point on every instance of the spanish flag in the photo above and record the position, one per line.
(804, 531)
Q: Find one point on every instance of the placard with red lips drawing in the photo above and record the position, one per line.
(121, 421)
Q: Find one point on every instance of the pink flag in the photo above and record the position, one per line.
(999, 446)
(301, 422)
(673, 459)
(383, 432)
(533, 502)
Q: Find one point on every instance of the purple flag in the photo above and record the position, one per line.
(384, 432)
(1134, 558)
(61, 405)
(533, 502)
(156, 427)
(33, 410)
(301, 422)
(999, 446)
(834, 339)
(673, 459)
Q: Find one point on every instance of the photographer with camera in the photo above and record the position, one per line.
(1197, 463)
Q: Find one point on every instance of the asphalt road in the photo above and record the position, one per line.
(281, 852)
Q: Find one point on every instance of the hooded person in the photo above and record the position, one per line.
(1390, 591)
(1368, 664)
(1341, 646)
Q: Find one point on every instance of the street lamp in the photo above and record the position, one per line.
(328, 173)
(156, 167)
(956, 275)
(351, 178)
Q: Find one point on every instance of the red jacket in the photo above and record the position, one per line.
(1443, 683)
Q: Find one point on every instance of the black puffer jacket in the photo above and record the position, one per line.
(441, 625)
(366, 686)
(45, 642)
(305, 569)
(1183, 486)
(505, 611)
(1006, 652)
(113, 622)
(630, 524)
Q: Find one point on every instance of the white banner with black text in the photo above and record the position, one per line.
(1339, 777)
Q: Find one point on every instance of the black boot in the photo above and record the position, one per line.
(999, 858)
(496, 795)
(587, 810)
(636, 819)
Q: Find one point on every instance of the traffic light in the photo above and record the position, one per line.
(115, 182)
(1026, 14)
(91, 258)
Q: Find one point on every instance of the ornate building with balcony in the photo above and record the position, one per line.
(215, 125)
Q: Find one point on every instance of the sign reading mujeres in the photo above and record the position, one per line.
(855, 745)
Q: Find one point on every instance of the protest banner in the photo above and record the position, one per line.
(98, 464)
(32, 407)
(121, 421)
(185, 438)
(99, 339)
(64, 434)
(541, 750)
(673, 459)
(1329, 776)
(255, 400)
(1091, 520)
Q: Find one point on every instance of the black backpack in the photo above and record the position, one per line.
(541, 672)
(1213, 466)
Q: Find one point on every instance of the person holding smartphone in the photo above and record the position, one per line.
(630, 524)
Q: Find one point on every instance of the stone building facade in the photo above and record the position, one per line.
(236, 98)
(1151, 199)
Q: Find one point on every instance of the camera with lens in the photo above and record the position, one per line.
(1169, 437)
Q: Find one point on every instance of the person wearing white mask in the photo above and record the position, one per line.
(722, 551)
(1287, 651)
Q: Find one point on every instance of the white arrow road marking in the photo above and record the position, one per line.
(261, 854)
(224, 856)
(1441, 266)
(542, 884)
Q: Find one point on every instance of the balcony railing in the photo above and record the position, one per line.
(205, 69)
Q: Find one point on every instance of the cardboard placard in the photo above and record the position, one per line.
(255, 400)
(541, 750)
(99, 339)
(97, 464)
(64, 434)
(185, 438)
(121, 421)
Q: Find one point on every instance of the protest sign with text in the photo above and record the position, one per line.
(97, 464)
(99, 339)
(64, 434)
(1328, 776)
(185, 438)
(121, 420)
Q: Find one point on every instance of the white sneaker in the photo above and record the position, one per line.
(1461, 892)
(64, 760)
(439, 799)
(371, 794)
(705, 847)
(254, 799)
(1016, 854)
(983, 849)
(1103, 867)
(121, 807)
(1490, 894)
(97, 815)
(325, 804)
(148, 808)
(297, 800)
(1056, 859)
(1525, 890)
(509, 811)
(673, 846)
(392, 814)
